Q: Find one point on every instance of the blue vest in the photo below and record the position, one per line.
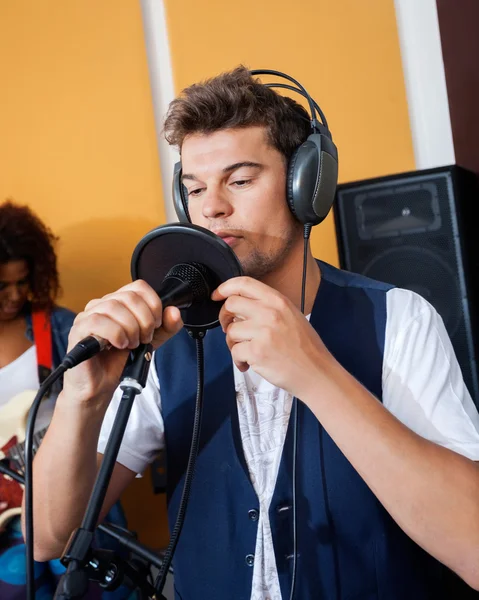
(348, 545)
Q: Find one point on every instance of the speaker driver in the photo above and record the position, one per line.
(424, 272)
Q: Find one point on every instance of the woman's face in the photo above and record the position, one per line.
(14, 288)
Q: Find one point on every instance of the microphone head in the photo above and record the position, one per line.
(192, 252)
(197, 276)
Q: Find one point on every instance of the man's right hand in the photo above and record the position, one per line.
(131, 316)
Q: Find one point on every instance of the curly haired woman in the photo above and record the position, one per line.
(29, 286)
(33, 340)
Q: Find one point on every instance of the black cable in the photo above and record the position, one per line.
(190, 469)
(32, 415)
(329, 516)
(294, 409)
(306, 234)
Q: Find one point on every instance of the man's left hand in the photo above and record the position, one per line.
(265, 331)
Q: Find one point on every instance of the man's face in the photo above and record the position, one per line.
(236, 183)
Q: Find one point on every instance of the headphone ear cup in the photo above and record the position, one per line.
(290, 182)
(180, 199)
(312, 179)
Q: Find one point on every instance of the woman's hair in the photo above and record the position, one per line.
(24, 237)
(236, 99)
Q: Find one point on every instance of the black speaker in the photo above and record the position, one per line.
(417, 231)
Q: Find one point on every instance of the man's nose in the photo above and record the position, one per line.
(216, 204)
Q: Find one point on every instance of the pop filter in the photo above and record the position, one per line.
(169, 245)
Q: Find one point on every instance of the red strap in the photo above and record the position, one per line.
(42, 336)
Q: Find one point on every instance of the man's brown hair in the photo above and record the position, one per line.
(235, 99)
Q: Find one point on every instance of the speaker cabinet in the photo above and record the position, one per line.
(417, 231)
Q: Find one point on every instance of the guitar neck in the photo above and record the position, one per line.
(17, 453)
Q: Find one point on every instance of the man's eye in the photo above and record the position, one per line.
(241, 182)
(195, 192)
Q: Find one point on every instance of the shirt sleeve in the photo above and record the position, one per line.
(144, 433)
(422, 381)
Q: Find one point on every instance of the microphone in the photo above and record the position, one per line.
(184, 264)
(184, 284)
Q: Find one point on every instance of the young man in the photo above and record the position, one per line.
(387, 486)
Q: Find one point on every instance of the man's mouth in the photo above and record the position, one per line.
(230, 240)
(227, 237)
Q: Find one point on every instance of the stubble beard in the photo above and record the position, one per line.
(259, 265)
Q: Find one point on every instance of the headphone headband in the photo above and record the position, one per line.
(313, 106)
(321, 127)
(296, 83)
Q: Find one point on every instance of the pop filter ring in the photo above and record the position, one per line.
(168, 245)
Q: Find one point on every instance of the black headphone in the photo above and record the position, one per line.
(312, 170)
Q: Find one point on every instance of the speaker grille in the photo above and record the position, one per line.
(423, 272)
(407, 230)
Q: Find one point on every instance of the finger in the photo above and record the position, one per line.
(142, 290)
(101, 326)
(237, 308)
(172, 323)
(240, 331)
(129, 309)
(240, 353)
(225, 320)
(243, 286)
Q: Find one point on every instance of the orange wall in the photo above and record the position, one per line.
(78, 139)
(346, 54)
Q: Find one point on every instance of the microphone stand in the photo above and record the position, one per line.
(83, 562)
(105, 567)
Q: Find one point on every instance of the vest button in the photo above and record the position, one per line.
(249, 559)
(253, 514)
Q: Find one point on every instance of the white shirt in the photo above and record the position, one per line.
(19, 376)
(422, 386)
